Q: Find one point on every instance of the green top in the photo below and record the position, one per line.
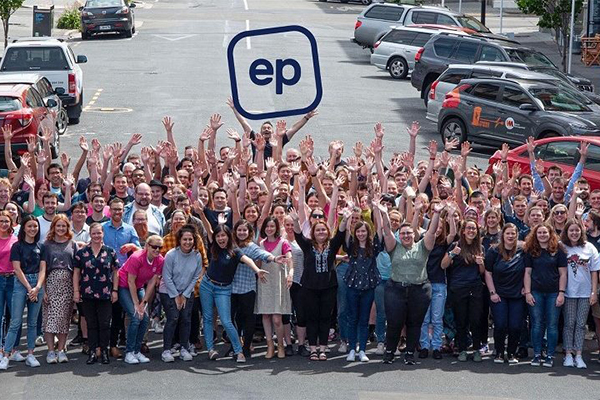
(409, 265)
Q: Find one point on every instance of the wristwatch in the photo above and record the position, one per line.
(492, 293)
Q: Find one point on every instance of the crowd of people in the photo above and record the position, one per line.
(416, 257)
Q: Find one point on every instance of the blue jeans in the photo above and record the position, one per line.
(19, 301)
(435, 318)
(508, 319)
(380, 321)
(342, 306)
(359, 309)
(544, 317)
(211, 295)
(6, 292)
(137, 327)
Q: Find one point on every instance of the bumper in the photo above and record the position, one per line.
(379, 61)
(68, 100)
(110, 25)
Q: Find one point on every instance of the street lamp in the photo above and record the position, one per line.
(572, 29)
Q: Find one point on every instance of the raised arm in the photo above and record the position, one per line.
(134, 140)
(429, 171)
(429, 238)
(300, 123)
(245, 125)
(8, 135)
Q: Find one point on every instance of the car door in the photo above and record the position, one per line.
(417, 42)
(481, 110)
(591, 172)
(491, 53)
(516, 124)
(36, 104)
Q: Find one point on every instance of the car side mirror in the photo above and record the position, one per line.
(80, 8)
(51, 103)
(59, 91)
(528, 107)
(81, 59)
(132, 5)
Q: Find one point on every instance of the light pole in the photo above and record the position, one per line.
(571, 27)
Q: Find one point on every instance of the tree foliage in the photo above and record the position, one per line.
(7, 9)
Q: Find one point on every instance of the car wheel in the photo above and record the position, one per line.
(62, 121)
(133, 28)
(85, 35)
(398, 68)
(453, 128)
(128, 33)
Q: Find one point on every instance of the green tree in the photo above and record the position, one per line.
(7, 9)
(554, 14)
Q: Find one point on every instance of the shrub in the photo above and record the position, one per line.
(70, 19)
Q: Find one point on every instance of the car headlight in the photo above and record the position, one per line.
(579, 125)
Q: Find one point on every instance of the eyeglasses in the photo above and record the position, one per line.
(470, 228)
(559, 212)
(4, 222)
(154, 246)
(317, 216)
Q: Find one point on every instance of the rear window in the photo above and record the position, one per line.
(35, 59)
(487, 91)
(421, 39)
(420, 17)
(399, 37)
(486, 74)
(466, 52)
(529, 57)
(386, 13)
(103, 3)
(443, 47)
(8, 104)
(453, 76)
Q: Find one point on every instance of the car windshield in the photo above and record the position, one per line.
(472, 23)
(8, 104)
(35, 59)
(103, 3)
(557, 99)
(529, 57)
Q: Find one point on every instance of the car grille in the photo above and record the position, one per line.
(586, 88)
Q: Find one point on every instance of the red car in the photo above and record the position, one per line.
(22, 107)
(562, 151)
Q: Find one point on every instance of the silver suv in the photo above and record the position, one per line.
(377, 19)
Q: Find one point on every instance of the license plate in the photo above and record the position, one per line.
(105, 27)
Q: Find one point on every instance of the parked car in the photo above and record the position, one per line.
(561, 151)
(377, 19)
(100, 16)
(54, 59)
(457, 72)
(450, 48)
(496, 111)
(23, 108)
(365, 2)
(395, 51)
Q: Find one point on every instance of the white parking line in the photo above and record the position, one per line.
(246, 5)
(248, 45)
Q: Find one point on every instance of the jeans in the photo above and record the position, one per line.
(242, 310)
(181, 319)
(98, 314)
(342, 305)
(467, 308)
(6, 293)
(405, 305)
(508, 318)
(435, 318)
(380, 321)
(220, 296)
(319, 305)
(544, 317)
(137, 327)
(359, 309)
(19, 301)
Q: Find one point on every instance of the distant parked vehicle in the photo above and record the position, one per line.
(99, 16)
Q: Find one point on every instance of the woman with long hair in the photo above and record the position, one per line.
(583, 264)
(492, 225)
(464, 264)
(58, 260)
(25, 256)
(545, 283)
(505, 267)
(558, 218)
(215, 289)
(7, 272)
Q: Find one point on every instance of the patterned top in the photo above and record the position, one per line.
(96, 280)
(362, 273)
(244, 280)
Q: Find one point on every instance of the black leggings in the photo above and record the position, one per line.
(467, 305)
(98, 314)
(297, 304)
(242, 314)
(321, 303)
(117, 327)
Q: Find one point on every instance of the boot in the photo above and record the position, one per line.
(104, 357)
(270, 349)
(280, 350)
(92, 359)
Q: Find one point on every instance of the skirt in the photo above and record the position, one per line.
(56, 314)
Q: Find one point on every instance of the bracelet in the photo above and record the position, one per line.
(431, 159)
(242, 176)
(451, 254)
(562, 291)
(115, 290)
(542, 176)
(237, 141)
(504, 161)
(492, 293)
(314, 176)
(306, 118)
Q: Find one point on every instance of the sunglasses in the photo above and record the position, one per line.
(559, 212)
(317, 216)
(154, 246)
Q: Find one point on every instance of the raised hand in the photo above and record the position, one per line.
(414, 129)
(311, 114)
(31, 144)
(205, 135)
(358, 149)
(168, 124)
(504, 151)
(281, 128)
(42, 157)
(259, 142)
(379, 130)
(65, 160)
(432, 149)
(83, 144)
(215, 122)
(465, 149)
(451, 144)
(96, 145)
(530, 145)
(135, 139)
(7, 132)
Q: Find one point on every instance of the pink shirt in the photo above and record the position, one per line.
(270, 246)
(5, 246)
(138, 265)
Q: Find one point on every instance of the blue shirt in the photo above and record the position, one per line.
(244, 280)
(116, 237)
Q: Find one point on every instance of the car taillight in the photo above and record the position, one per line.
(124, 10)
(419, 54)
(432, 90)
(452, 99)
(358, 24)
(26, 118)
(72, 84)
(377, 43)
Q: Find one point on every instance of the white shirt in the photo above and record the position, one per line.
(581, 262)
(44, 228)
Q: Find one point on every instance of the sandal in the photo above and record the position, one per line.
(322, 356)
(314, 356)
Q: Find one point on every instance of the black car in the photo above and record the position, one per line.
(449, 48)
(99, 16)
(495, 111)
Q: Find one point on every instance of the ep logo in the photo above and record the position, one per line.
(268, 78)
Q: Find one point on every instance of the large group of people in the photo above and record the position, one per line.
(260, 239)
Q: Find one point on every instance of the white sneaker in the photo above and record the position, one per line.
(51, 358)
(351, 356)
(167, 356)
(158, 328)
(185, 355)
(141, 358)
(343, 347)
(31, 361)
(380, 349)
(62, 357)
(40, 341)
(568, 362)
(130, 358)
(16, 356)
(362, 356)
(579, 363)
(192, 350)
(4, 363)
